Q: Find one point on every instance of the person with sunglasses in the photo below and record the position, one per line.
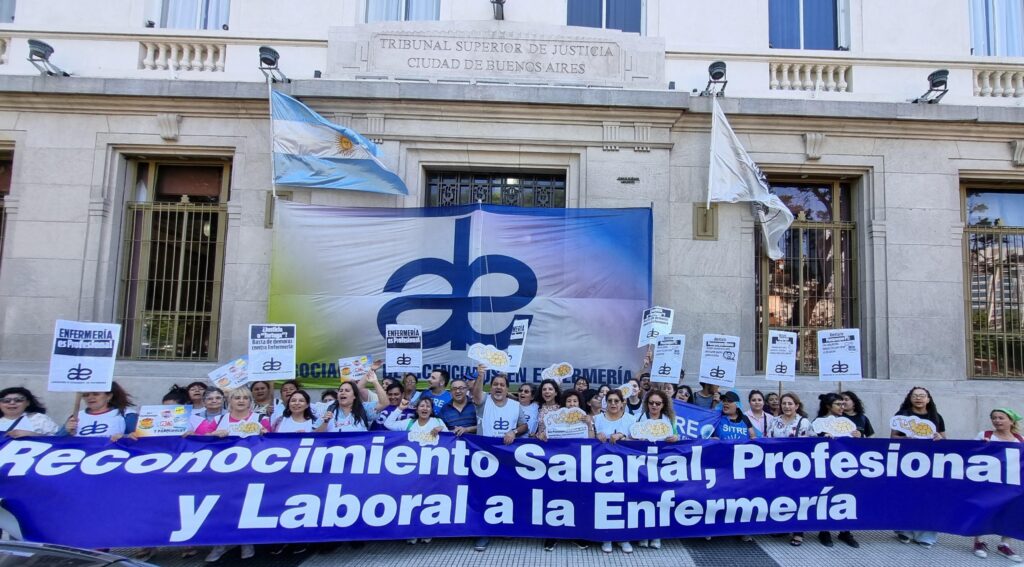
(527, 396)
(458, 415)
(106, 414)
(658, 407)
(24, 415)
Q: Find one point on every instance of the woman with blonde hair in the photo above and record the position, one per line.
(1004, 429)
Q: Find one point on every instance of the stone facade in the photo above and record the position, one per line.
(71, 139)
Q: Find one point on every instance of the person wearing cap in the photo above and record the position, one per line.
(733, 424)
(1005, 429)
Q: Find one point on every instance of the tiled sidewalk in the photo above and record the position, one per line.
(877, 549)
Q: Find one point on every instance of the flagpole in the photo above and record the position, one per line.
(270, 112)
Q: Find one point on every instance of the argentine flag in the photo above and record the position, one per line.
(311, 152)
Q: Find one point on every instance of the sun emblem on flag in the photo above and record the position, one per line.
(344, 144)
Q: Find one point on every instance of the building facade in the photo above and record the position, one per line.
(136, 190)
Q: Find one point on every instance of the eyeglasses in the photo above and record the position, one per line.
(653, 403)
(919, 396)
(14, 400)
(459, 389)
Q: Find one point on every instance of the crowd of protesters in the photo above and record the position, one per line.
(462, 406)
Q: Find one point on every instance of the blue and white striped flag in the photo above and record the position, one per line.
(310, 151)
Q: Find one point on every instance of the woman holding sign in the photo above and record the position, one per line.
(919, 404)
(831, 408)
(855, 412)
(1004, 428)
(240, 419)
(23, 415)
(106, 414)
(611, 427)
(658, 409)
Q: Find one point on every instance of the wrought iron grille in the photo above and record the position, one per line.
(171, 280)
(994, 265)
(451, 188)
(813, 286)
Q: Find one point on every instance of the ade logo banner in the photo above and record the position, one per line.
(462, 274)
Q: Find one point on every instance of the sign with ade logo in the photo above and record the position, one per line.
(271, 352)
(83, 356)
(839, 355)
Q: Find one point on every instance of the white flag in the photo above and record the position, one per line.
(733, 176)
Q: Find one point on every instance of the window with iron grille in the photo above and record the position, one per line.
(813, 286)
(451, 188)
(173, 261)
(994, 263)
(5, 188)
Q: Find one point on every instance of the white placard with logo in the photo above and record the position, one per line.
(353, 367)
(668, 358)
(82, 357)
(232, 374)
(839, 355)
(162, 421)
(657, 321)
(516, 344)
(271, 352)
(718, 357)
(780, 360)
(404, 344)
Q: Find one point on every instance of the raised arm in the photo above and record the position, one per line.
(478, 384)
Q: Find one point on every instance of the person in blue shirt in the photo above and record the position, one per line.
(733, 424)
(459, 415)
(394, 400)
(438, 381)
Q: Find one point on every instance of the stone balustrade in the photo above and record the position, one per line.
(809, 76)
(999, 82)
(182, 55)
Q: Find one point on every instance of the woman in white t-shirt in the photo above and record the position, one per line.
(613, 426)
(1005, 429)
(349, 413)
(425, 422)
(23, 415)
(298, 417)
(525, 395)
(106, 414)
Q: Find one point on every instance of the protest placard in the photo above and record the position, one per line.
(668, 358)
(780, 360)
(404, 344)
(271, 352)
(657, 321)
(353, 367)
(651, 430)
(558, 371)
(839, 355)
(718, 357)
(913, 426)
(489, 355)
(82, 358)
(516, 345)
(834, 426)
(161, 421)
(232, 374)
(566, 423)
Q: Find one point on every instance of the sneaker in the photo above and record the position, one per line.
(644, 543)
(411, 541)
(825, 538)
(1005, 551)
(925, 544)
(606, 546)
(904, 538)
(279, 550)
(299, 549)
(216, 553)
(549, 544)
(248, 552)
(655, 544)
(746, 538)
(626, 546)
(481, 544)
(582, 544)
(847, 538)
(425, 539)
(980, 549)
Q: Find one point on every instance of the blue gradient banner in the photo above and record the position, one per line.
(89, 492)
(582, 276)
